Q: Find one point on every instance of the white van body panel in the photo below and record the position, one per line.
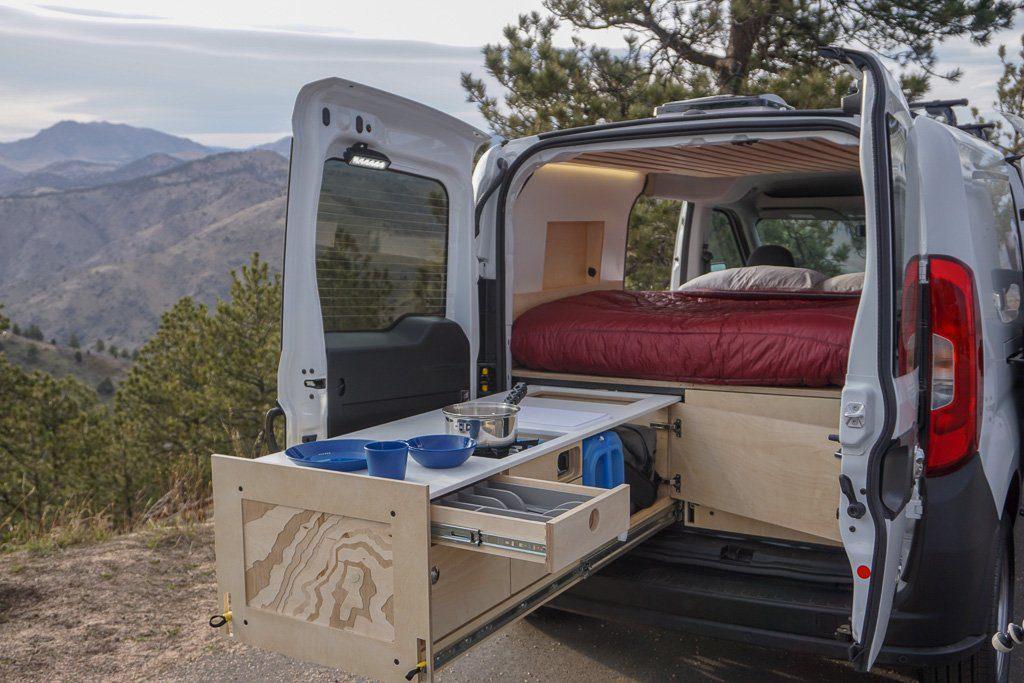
(971, 217)
(863, 441)
(418, 140)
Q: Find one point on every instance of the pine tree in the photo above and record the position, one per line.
(675, 50)
(73, 341)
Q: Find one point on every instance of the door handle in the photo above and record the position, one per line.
(1016, 358)
(855, 509)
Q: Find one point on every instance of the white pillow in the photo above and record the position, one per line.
(847, 282)
(757, 278)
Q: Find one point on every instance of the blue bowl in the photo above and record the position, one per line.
(340, 455)
(387, 458)
(440, 451)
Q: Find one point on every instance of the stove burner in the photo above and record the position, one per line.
(498, 452)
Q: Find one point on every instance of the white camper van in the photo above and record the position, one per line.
(836, 451)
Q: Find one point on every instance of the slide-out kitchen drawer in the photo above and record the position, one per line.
(559, 524)
(369, 576)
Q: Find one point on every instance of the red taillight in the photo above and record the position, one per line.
(956, 369)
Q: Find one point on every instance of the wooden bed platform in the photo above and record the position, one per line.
(660, 386)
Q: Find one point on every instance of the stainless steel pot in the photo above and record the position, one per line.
(491, 424)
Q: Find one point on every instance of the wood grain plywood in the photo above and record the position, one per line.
(324, 569)
(768, 469)
(468, 584)
(701, 517)
(572, 251)
(328, 567)
(732, 159)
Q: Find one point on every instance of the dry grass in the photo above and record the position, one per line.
(70, 524)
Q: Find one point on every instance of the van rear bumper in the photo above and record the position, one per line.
(761, 620)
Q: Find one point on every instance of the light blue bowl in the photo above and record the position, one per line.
(441, 451)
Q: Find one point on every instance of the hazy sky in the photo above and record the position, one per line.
(226, 72)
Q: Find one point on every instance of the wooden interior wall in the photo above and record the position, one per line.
(572, 253)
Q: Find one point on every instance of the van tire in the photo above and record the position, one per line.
(983, 665)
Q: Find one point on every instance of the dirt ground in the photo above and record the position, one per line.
(135, 608)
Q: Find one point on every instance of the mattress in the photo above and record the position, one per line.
(798, 339)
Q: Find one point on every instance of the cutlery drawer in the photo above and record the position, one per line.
(545, 522)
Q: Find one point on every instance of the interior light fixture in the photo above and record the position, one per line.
(361, 155)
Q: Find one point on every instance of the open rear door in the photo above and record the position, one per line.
(379, 318)
(881, 460)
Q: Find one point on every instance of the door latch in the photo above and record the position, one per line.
(854, 415)
(855, 509)
(318, 383)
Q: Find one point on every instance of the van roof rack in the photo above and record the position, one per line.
(942, 109)
(979, 130)
(719, 103)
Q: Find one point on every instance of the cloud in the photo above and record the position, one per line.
(200, 80)
(96, 13)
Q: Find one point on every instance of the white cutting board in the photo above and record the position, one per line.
(556, 418)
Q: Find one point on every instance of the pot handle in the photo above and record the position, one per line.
(517, 394)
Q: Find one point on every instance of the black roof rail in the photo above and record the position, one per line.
(917, 104)
(941, 108)
(978, 130)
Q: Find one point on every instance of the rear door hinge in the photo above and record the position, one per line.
(676, 426)
(677, 482)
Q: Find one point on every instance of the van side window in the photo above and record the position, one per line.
(650, 243)
(723, 248)
(381, 245)
(1001, 216)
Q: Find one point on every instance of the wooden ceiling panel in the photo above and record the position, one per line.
(733, 159)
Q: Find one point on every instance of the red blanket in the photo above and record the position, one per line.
(754, 338)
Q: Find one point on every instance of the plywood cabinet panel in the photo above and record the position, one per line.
(703, 517)
(765, 468)
(324, 569)
(324, 566)
(468, 584)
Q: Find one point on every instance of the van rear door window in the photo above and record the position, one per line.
(381, 245)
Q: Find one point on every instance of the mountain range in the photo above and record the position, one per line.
(97, 142)
(104, 226)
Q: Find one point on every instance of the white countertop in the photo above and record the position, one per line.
(624, 407)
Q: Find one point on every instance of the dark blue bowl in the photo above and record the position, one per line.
(440, 451)
(340, 455)
(387, 458)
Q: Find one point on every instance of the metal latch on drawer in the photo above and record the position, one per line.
(459, 534)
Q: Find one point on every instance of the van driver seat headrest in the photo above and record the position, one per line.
(771, 255)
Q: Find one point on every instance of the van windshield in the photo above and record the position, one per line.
(832, 246)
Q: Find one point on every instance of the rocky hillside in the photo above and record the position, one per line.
(104, 262)
(71, 175)
(89, 366)
(98, 142)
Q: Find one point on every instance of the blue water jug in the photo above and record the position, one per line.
(602, 461)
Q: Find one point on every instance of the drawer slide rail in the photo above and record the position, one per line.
(587, 565)
(476, 537)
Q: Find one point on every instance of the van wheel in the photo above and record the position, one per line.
(986, 665)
